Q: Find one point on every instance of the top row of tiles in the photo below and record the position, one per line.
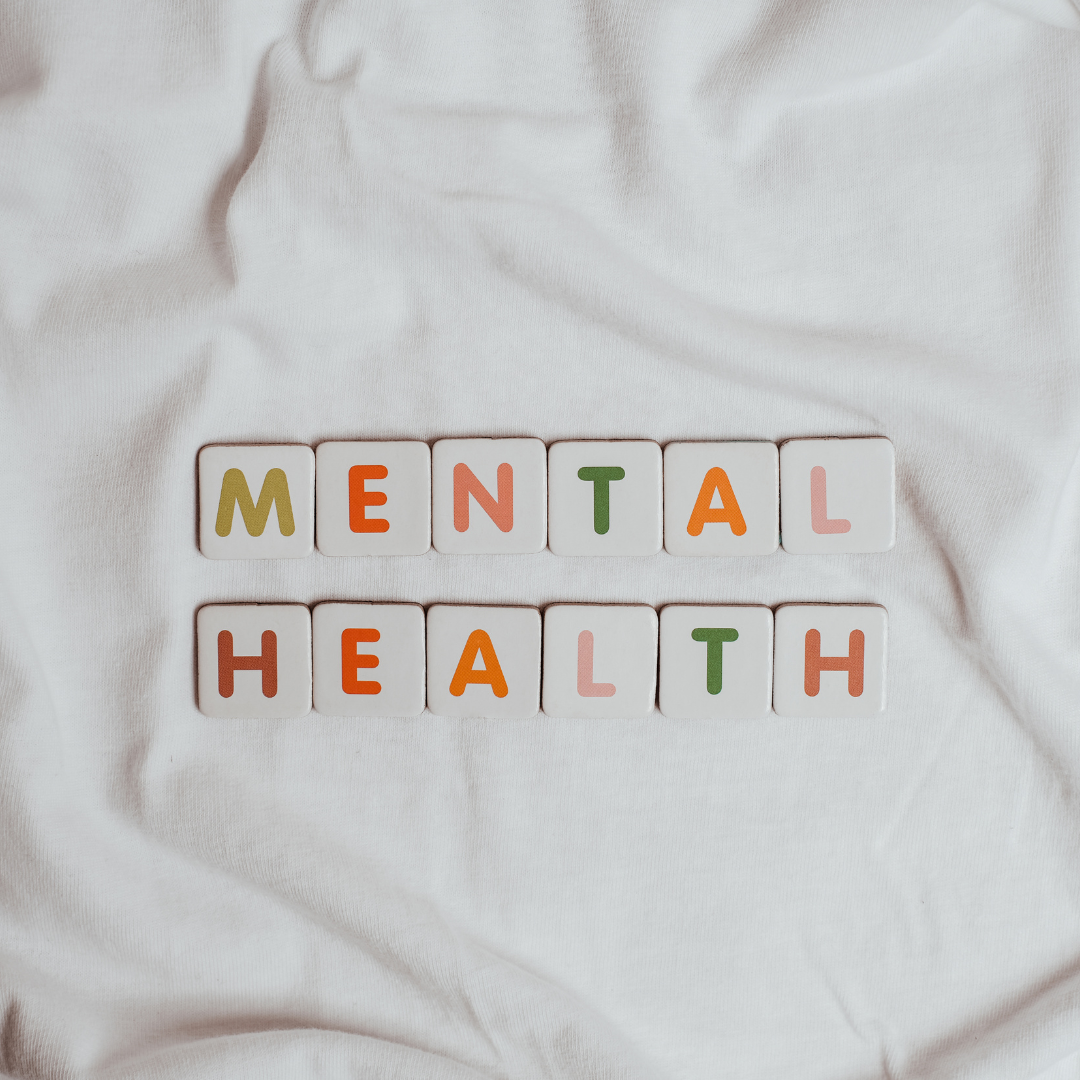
(513, 496)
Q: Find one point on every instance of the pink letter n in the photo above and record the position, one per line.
(500, 510)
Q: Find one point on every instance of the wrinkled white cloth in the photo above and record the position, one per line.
(230, 220)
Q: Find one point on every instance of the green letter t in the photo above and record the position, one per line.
(601, 476)
(714, 638)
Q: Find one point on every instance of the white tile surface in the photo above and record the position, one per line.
(735, 482)
(716, 662)
(483, 661)
(277, 637)
(514, 519)
(843, 629)
(599, 660)
(390, 634)
(605, 515)
(281, 529)
(837, 495)
(373, 498)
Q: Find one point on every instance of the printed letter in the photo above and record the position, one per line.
(227, 664)
(359, 498)
(816, 663)
(714, 638)
(716, 481)
(234, 489)
(820, 521)
(352, 661)
(491, 673)
(585, 685)
(466, 484)
(601, 477)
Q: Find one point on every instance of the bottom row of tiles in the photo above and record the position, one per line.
(256, 660)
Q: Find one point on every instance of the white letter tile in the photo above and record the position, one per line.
(819, 669)
(373, 498)
(489, 496)
(256, 502)
(721, 498)
(716, 662)
(483, 661)
(605, 498)
(254, 660)
(599, 660)
(387, 676)
(837, 495)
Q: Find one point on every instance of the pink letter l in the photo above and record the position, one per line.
(820, 521)
(585, 685)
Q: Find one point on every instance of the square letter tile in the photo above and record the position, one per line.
(721, 498)
(254, 660)
(483, 661)
(837, 495)
(256, 502)
(716, 662)
(605, 498)
(369, 659)
(599, 661)
(830, 660)
(489, 496)
(373, 498)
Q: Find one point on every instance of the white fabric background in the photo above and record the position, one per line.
(245, 220)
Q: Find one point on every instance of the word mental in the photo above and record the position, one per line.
(722, 662)
(503, 496)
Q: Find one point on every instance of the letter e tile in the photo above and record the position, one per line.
(368, 659)
(373, 498)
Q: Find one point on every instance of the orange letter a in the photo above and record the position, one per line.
(490, 673)
(716, 480)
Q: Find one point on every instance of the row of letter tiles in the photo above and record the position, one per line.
(513, 496)
(255, 660)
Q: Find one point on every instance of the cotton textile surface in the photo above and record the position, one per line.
(225, 220)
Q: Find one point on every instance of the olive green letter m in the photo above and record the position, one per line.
(234, 489)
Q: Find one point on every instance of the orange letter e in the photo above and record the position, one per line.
(352, 661)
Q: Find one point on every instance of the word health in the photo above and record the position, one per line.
(585, 661)
(502, 496)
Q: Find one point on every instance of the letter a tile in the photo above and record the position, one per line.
(256, 502)
(483, 661)
(721, 498)
(254, 660)
(837, 496)
(830, 660)
(489, 496)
